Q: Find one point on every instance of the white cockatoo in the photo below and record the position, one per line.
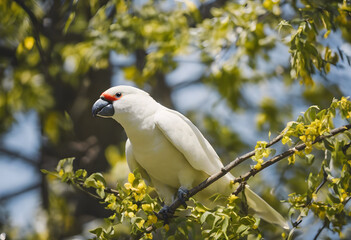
(169, 150)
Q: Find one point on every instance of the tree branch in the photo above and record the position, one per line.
(325, 179)
(239, 189)
(185, 84)
(19, 192)
(252, 172)
(326, 223)
(290, 152)
(37, 28)
(16, 155)
(227, 168)
(81, 186)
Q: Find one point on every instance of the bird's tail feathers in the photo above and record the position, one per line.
(263, 209)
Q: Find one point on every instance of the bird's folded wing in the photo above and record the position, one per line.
(185, 136)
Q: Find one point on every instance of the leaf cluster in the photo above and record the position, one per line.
(334, 170)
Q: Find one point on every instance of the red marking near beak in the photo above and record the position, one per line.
(109, 97)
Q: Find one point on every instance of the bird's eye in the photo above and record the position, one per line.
(118, 94)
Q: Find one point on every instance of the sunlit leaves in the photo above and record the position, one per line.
(131, 204)
(29, 43)
(233, 25)
(272, 5)
(304, 55)
(161, 34)
(345, 107)
(261, 152)
(21, 91)
(13, 22)
(225, 222)
(312, 124)
(306, 52)
(328, 205)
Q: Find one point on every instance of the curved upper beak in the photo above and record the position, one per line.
(102, 108)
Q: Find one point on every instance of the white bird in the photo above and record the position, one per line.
(169, 150)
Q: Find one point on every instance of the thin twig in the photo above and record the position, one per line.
(239, 189)
(81, 185)
(296, 223)
(326, 223)
(112, 191)
(299, 219)
(325, 179)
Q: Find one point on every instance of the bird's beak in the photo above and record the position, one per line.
(103, 108)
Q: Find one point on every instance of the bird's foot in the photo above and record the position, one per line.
(182, 195)
(164, 214)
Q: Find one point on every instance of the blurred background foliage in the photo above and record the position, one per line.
(238, 69)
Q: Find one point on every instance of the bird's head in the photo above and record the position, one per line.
(119, 101)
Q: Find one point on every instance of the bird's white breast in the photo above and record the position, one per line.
(162, 160)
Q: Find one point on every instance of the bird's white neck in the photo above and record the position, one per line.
(138, 120)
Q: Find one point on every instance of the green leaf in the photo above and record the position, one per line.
(247, 221)
(284, 26)
(321, 114)
(309, 158)
(204, 216)
(181, 230)
(69, 21)
(200, 207)
(328, 144)
(216, 219)
(95, 180)
(225, 225)
(242, 229)
(311, 181)
(80, 173)
(65, 164)
(100, 192)
(71, 16)
(97, 231)
(310, 114)
(46, 171)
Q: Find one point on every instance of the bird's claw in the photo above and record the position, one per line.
(182, 195)
(164, 214)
